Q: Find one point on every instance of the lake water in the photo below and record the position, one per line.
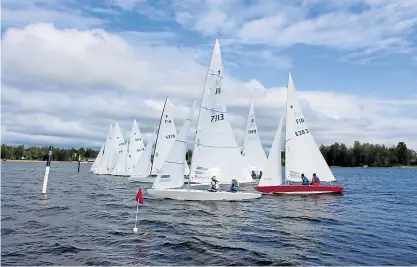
(88, 219)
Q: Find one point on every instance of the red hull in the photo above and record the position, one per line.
(299, 189)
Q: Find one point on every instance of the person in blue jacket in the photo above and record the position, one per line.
(235, 185)
(305, 180)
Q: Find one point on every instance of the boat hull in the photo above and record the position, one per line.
(201, 195)
(299, 189)
(148, 180)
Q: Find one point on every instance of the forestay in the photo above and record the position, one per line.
(172, 171)
(253, 151)
(135, 148)
(166, 136)
(143, 166)
(302, 154)
(216, 151)
(272, 172)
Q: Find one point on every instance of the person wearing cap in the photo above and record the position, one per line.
(305, 180)
(235, 185)
(253, 175)
(214, 184)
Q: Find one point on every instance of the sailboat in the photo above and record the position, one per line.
(253, 151)
(165, 138)
(136, 148)
(98, 159)
(142, 168)
(118, 160)
(302, 155)
(215, 148)
(272, 170)
(132, 149)
(106, 162)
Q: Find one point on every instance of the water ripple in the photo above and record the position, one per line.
(88, 220)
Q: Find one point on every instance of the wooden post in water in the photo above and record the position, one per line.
(79, 162)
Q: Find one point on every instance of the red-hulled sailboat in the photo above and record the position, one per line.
(302, 156)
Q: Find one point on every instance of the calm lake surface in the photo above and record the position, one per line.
(88, 219)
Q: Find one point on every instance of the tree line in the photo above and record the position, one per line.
(41, 153)
(358, 155)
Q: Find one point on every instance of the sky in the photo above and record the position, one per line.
(72, 67)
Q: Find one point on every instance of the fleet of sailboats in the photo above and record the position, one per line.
(216, 153)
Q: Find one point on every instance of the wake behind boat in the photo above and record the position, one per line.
(302, 156)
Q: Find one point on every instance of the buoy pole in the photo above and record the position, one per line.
(79, 163)
(46, 175)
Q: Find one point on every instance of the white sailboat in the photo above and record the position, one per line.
(98, 159)
(216, 151)
(120, 147)
(272, 171)
(136, 148)
(253, 152)
(166, 136)
(106, 161)
(120, 167)
(132, 150)
(142, 168)
(302, 155)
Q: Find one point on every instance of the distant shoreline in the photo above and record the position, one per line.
(34, 161)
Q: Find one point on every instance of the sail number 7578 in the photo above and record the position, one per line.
(218, 117)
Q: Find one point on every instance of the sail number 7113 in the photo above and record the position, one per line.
(218, 117)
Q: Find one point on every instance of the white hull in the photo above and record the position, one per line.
(201, 195)
(148, 180)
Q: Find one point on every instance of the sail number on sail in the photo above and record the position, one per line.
(218, 117)
(301, 132)
(253, 131)
(169, 136)
(138, 139)
(301, 120)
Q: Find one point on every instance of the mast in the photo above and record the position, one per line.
(157, 135)
(198, 118)
(286, 150)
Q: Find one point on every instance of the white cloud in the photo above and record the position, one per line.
(380, 27)
(24, 12)
(66, 86)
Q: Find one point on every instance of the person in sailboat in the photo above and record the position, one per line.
(253, 174)
(260, 175)
(315, 180)
(305, 180)
(214, 184)
(235, 185)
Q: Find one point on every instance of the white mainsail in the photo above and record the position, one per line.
(135, 149)
(98, 159)
(172, 171)
(253, 152)
(120, 167)
(302, 154)
(106, 160)
(272, 171)
(119, 144)
(166, 136)
(216, 151)
(143, 167)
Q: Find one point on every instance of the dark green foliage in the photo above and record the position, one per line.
(335, 155)
(41, 153)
